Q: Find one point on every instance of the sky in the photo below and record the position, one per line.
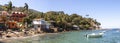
(107, 12)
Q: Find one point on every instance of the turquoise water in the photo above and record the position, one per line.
(110, 36)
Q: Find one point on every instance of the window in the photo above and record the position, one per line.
(38, 25)
(12, 24)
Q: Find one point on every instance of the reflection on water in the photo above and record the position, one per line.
(110, 36)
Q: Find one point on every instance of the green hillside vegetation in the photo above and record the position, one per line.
(61, 19)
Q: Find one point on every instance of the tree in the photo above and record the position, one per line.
(26, 6)
(74, 15)
(10, 6)
(76, 21)
(5, 8)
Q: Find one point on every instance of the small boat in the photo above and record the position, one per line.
(94, 35)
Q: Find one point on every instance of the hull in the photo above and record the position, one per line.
(94, 35)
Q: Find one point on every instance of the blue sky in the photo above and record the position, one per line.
(107, 12)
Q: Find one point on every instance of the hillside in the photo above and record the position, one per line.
(60, 18)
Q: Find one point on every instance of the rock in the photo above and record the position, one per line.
(9, 30)
(55, 29)
(25, 33)
(17, 34)
(23, 30)
(21, 34)
(11, 35)
(4, 37)
(32, 33)
(8, 36)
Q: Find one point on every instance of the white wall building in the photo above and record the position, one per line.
(40, 23)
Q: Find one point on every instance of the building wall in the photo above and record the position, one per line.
(38, 23)
(40, 26)
(17, 16)
(12, 24)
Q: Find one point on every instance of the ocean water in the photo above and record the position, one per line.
(110, 36)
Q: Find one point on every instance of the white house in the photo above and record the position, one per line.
(40, 23)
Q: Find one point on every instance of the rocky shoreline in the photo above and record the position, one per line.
(7, 40)
(10, 34)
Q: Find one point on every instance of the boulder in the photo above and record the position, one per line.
(11, 35)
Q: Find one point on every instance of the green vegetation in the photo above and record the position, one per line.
(61, 19)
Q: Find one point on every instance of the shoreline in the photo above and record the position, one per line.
(23, 37)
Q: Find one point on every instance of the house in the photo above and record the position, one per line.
(17, 16)
(11, 24)
(75, 27)
(40, 23)
(14, 19)
(11, 21)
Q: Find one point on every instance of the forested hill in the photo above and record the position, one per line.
(60, 18)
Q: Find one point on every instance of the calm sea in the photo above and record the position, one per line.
(110, 36)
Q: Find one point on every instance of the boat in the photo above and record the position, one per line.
(95, 35)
